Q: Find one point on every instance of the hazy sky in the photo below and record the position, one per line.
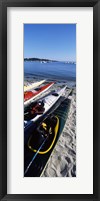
(51, 41)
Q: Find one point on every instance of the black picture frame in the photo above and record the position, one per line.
(3, 98)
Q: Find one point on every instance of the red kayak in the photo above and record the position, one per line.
(30, 95)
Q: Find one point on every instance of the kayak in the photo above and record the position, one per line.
(43, 139)
(30, 95)
(39, 148)
(33, 85)
(40, 108)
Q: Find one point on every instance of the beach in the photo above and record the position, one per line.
(62, 162)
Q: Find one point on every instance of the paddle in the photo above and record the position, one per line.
(35, 156)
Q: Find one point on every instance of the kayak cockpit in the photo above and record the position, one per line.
(47, 131)
(55, 94)
(36, 108)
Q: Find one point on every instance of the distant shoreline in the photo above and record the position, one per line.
(48, 60)
(38, 59)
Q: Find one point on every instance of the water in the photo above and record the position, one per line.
(58, 71)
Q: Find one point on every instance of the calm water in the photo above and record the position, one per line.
(56, 70)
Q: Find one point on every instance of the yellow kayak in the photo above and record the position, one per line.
(33, 85)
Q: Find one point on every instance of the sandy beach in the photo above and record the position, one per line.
(62, 162)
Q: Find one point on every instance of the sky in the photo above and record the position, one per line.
(50, 41)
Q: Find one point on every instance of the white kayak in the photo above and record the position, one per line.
(33, 85)
(30, 95)
(41, 107)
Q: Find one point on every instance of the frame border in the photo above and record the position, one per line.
(3, 100)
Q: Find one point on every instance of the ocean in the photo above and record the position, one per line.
(59, 71)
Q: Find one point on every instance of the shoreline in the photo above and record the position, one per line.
(29, 78)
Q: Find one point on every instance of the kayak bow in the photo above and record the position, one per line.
(33, 85)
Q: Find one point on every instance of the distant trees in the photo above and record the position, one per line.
(37, 59)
